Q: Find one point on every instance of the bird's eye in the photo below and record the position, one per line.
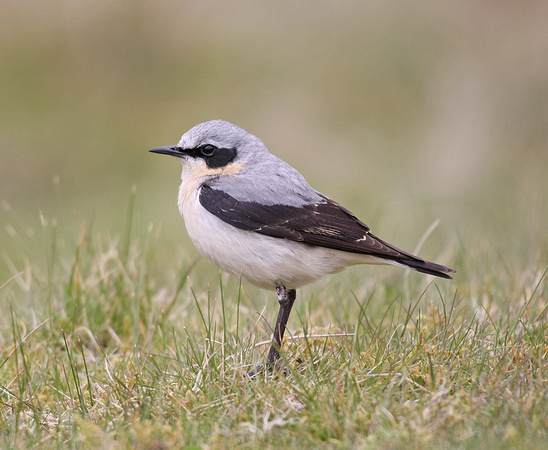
(208, 150)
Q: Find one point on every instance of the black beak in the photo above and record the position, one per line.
(172, 150)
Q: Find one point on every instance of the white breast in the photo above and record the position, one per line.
(261, 260)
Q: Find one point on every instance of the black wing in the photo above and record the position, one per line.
(325, 224)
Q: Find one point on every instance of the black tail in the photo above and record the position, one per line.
(414, 262)
(429, 267)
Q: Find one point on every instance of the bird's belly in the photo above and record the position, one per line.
(261, 260)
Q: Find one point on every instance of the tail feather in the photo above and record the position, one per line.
(414, 262)
(430, 268)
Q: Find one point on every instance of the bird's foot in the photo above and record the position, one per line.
(276, 369)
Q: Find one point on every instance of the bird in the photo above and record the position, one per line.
(256, 217)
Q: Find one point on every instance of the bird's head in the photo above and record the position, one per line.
(215, 146)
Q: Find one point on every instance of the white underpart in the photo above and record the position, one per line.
(261, 260)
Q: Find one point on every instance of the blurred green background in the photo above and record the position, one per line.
(406, 112)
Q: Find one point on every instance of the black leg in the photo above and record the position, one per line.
(286, 297)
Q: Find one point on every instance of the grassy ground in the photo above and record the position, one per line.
(99, 349)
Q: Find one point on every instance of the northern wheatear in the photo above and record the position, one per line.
(256, 217)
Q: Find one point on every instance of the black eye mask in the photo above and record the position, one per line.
(213, 156)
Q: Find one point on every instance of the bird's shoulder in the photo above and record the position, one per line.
(319, 220)
(272, 182)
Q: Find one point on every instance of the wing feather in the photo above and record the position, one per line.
(325, 223)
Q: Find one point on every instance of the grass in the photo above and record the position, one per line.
(100, 349)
